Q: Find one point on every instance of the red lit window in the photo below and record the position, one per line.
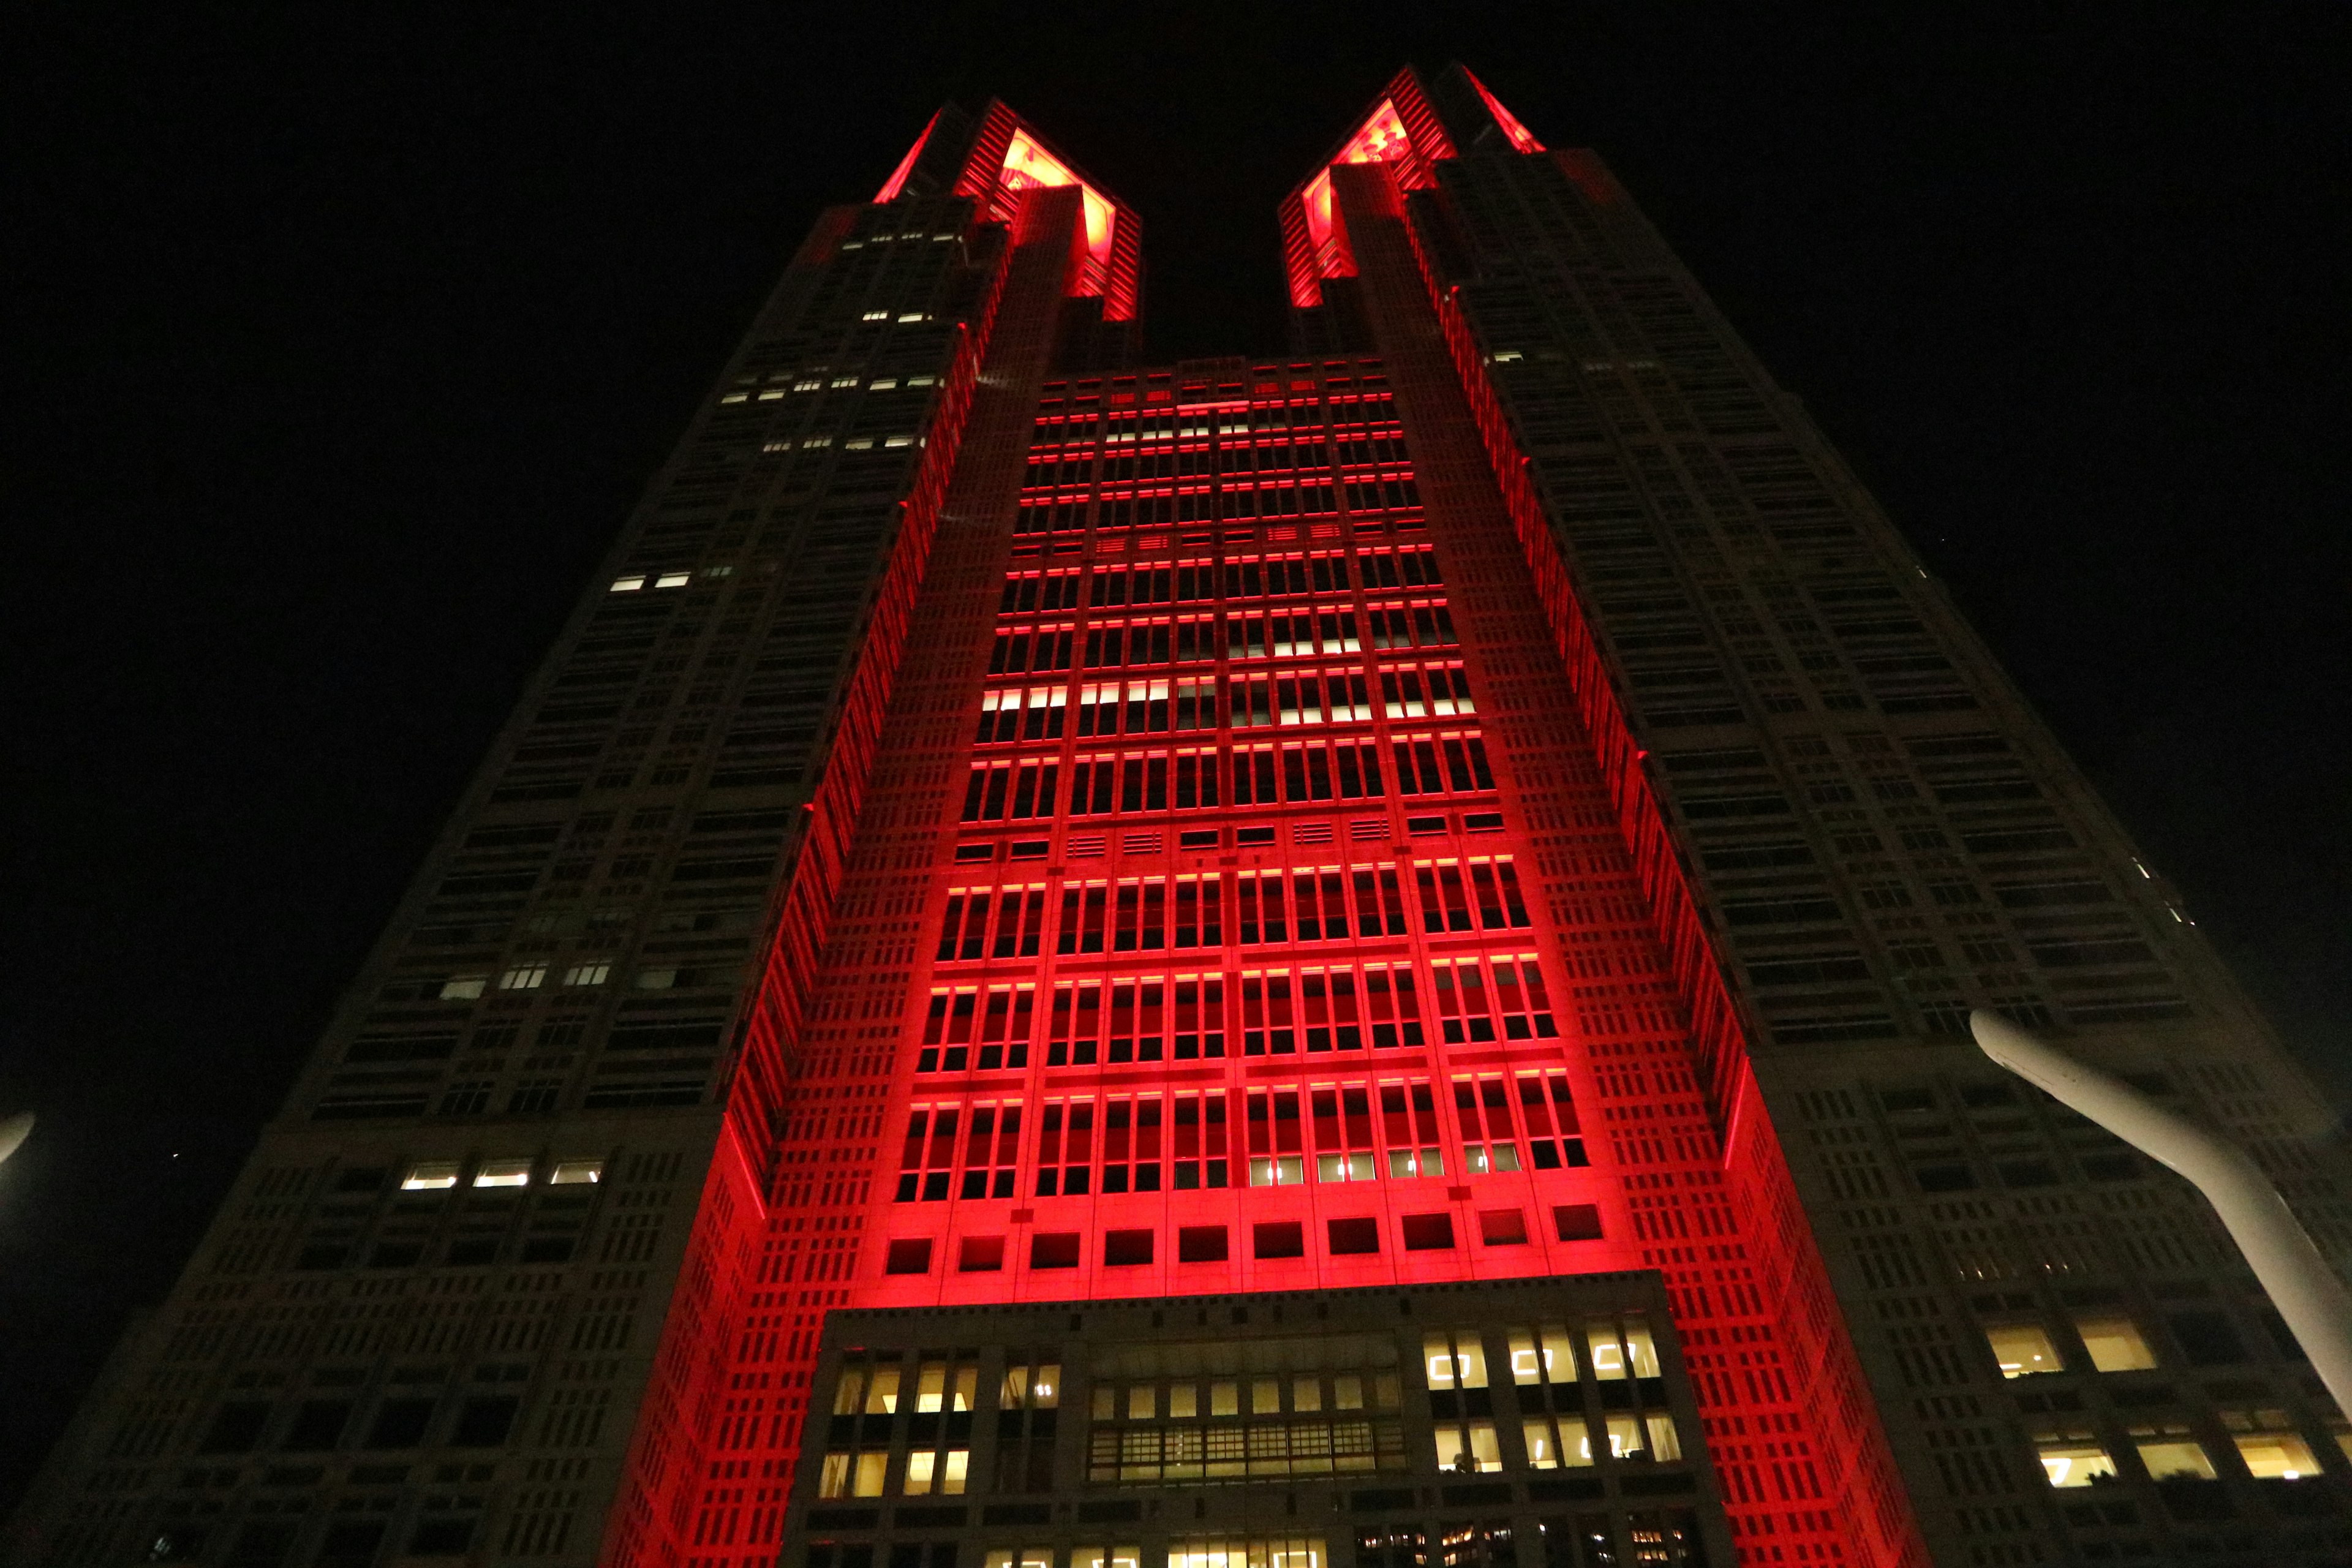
(1421, 623)
(999, 791)
(1015, 713)
(1409, 566)
(946, 1031)
(1379, 901)
(1434, 764)
(1131, 1143)
(1269, 1024)
(1140, 915)
(1197, 1141)
(1020, 650)
(1199, 1017)
(1196, 778)
(932, 1153)
(1065, 1145)
(1249, 701)
(1085, 905)
(1253, 776)
(1199, 912)
(1409, 1130)
(1550, 1118)
(1017, 915)
(1342, 1118)
(1419, 690)
(1005, 1025)
(1482, 1107)
(1475, 1004)
(1277, 1156)
(1129, 643)
(1260, 905)
(1031, 591)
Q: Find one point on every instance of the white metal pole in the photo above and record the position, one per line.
(2301, 1284)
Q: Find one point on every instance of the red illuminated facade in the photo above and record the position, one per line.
(1279, 926)
(1482, 795)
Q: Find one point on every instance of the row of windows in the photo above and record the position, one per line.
(1340, 1132)
(1191, 779)
(1370, 567)
(1271, 1241)
(1152, 914)
(1275, 1012)
(1301, 634)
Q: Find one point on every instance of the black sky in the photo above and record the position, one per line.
(340, 340)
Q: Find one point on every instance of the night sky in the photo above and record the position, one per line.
(340, 345)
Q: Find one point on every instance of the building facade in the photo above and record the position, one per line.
(1483, 797)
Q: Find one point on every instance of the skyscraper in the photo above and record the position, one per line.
(1480, 797)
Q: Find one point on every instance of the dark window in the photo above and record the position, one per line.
(180, 1543)
(1354, 1235)
(2027, 1174)
(1983, 1094)
(980, 1255)
(361, 1179)
(259, 1545)
(400, 1423)
(473, 1250)
(1909, 1099)
(1953, 1178)
(1200, 1243)
(2208, 1339)
(1577, 1222)
(324, 1255)
(441, 1537)
(1428, 1232)
(349, 1544)
(1126, 1248)
(235, 1430)
(484, 1422)
(2121, 1166)
(1503, 1227)
(396, 1255)
(548, 1249)
(318, 1423)
(1054, 1249)
(1279, 1239)
(909, 1257)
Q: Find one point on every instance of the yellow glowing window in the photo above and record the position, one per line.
(430, 1176)
(577, 1173)
(503, 1174)
(2116, 1343)
(2023, 1349)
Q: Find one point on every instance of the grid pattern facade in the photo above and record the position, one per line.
(1488, 799)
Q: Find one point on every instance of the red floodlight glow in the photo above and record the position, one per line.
(1028, 166)
(1382, 139)
(1521, 137)
(898, 180)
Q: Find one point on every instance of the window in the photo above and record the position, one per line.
(1349, 1237)
(856, 1474)
(317, 1423)
(1200, 1243)
(1503, 1227)
(911, 1255)
(1126, 1248)
(235, 1430)
(1428, 1233)
(2023, 1349)
(1054, 1249)
(2115, 1343)
(1577, 1222)
(484, 1422)
(576, 1172)
(430, 1176)
(2170, 1454)
(513, 1172)
(2070, 1459)
(980, 1255)
(2266, 1440)
(400, 1423)
(2208, 1339)
(1617, 1353)
(1279, 1239)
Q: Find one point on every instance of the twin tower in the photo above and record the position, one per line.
(1359, 953)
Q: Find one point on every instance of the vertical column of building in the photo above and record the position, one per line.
(709, 1490)
(1852, 831)
(1805, 1465)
